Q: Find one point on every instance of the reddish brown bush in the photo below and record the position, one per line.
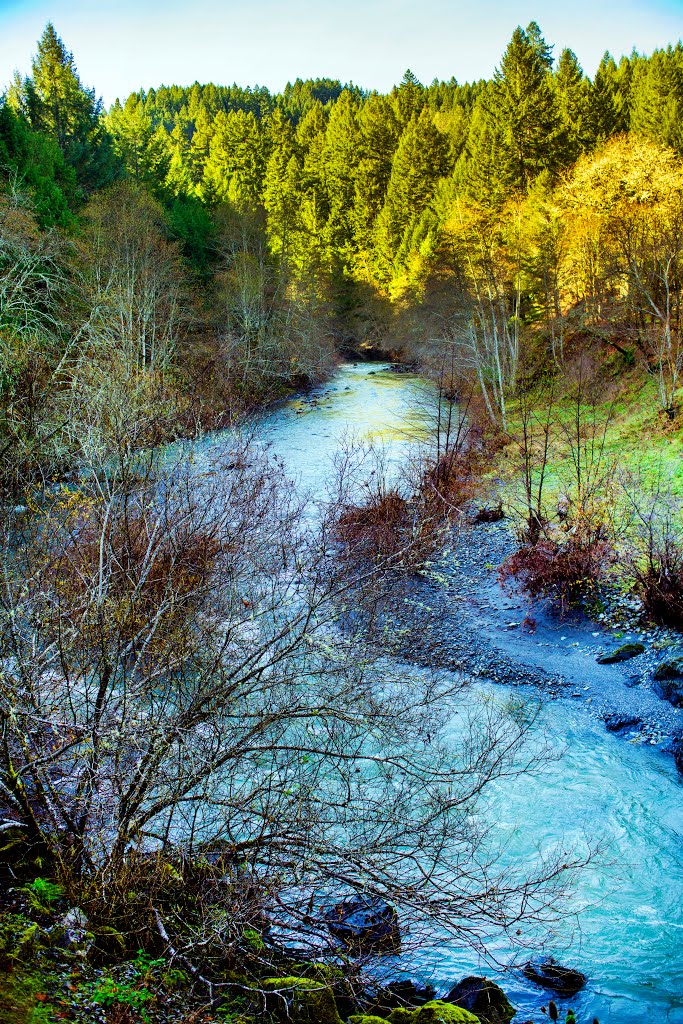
(566, 572)
(380, 527)
(658, 577)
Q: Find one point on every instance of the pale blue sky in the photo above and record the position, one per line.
(121, 46)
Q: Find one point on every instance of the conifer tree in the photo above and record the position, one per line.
(235, 165)
(608, 102)
(379, 133)
(657, 98)
(339, 155)
(57, 104)
(524, 110)
(572, 91)
(409, 98)
(143, 149)
(421, 159)
(281, 189)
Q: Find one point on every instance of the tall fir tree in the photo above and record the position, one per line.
(657, 98)
(422, 157)
(608, 101)
(572, 92)
(56, 103)
(523, 110)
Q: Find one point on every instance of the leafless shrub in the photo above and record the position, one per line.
(652, 560)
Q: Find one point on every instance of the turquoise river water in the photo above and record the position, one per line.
(628, 936)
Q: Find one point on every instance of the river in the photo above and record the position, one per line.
(628, 938)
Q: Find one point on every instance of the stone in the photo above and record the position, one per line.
(400, 993)
(671, 690)
(677, 751)
(365, 923)
(71, 933)
(549, 974)
(623, 653)
(301, 1001)
(436, 1011)
(672, 669)
(615, 723)
(483, 998)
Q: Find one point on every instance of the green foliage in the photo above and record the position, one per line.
(42, 893)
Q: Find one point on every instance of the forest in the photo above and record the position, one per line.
(201, 744)
(211, 246)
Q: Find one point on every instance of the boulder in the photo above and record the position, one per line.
(623, 653)
(671, 690)
(396, 994)
(109, 947)
(436, 1011)
(484, 999)
(615, 723)
(300, 1001)
(71, 933)
(677, 751)
(672, 669)
(549, 974)
(365, 923)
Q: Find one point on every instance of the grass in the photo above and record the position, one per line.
(642, 443)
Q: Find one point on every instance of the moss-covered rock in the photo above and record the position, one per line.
(366, 1018)
(672, 669)
(437, 1011)
(401, 1016)
(623, 653)
(302, 1000)
(483, 998)
(109, 946)
(433, 1012)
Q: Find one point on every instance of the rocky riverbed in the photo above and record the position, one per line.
(457, 615)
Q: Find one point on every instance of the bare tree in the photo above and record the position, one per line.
(174, 675)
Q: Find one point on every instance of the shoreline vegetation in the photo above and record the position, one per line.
(214, 804)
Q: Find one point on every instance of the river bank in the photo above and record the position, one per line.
(456, 614)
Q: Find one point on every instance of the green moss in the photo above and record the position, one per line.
(401, 1016)
(18, 998)
(433, 1012)
(366, 1018)
(291, 981)
(437, 1011)
(109, 946)
(308, 1001)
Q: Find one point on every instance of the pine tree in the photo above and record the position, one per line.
(480, 171)
(235, 166)
(608, 102)
(409, 98)
(421, 159)
(657, 98)
(524, 110)
(143, 149)
(339, 155)
(572, 92)
(281, 189)
(60, 106)
(379, 133)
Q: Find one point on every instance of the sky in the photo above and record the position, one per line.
(123, 45)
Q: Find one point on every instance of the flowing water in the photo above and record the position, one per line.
(628, 938)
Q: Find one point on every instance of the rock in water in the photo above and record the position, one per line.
(549, 974)
(364, 923)
(623, 653)
(677, 751)
(399, 993)
(484, 999)
(615, 723)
